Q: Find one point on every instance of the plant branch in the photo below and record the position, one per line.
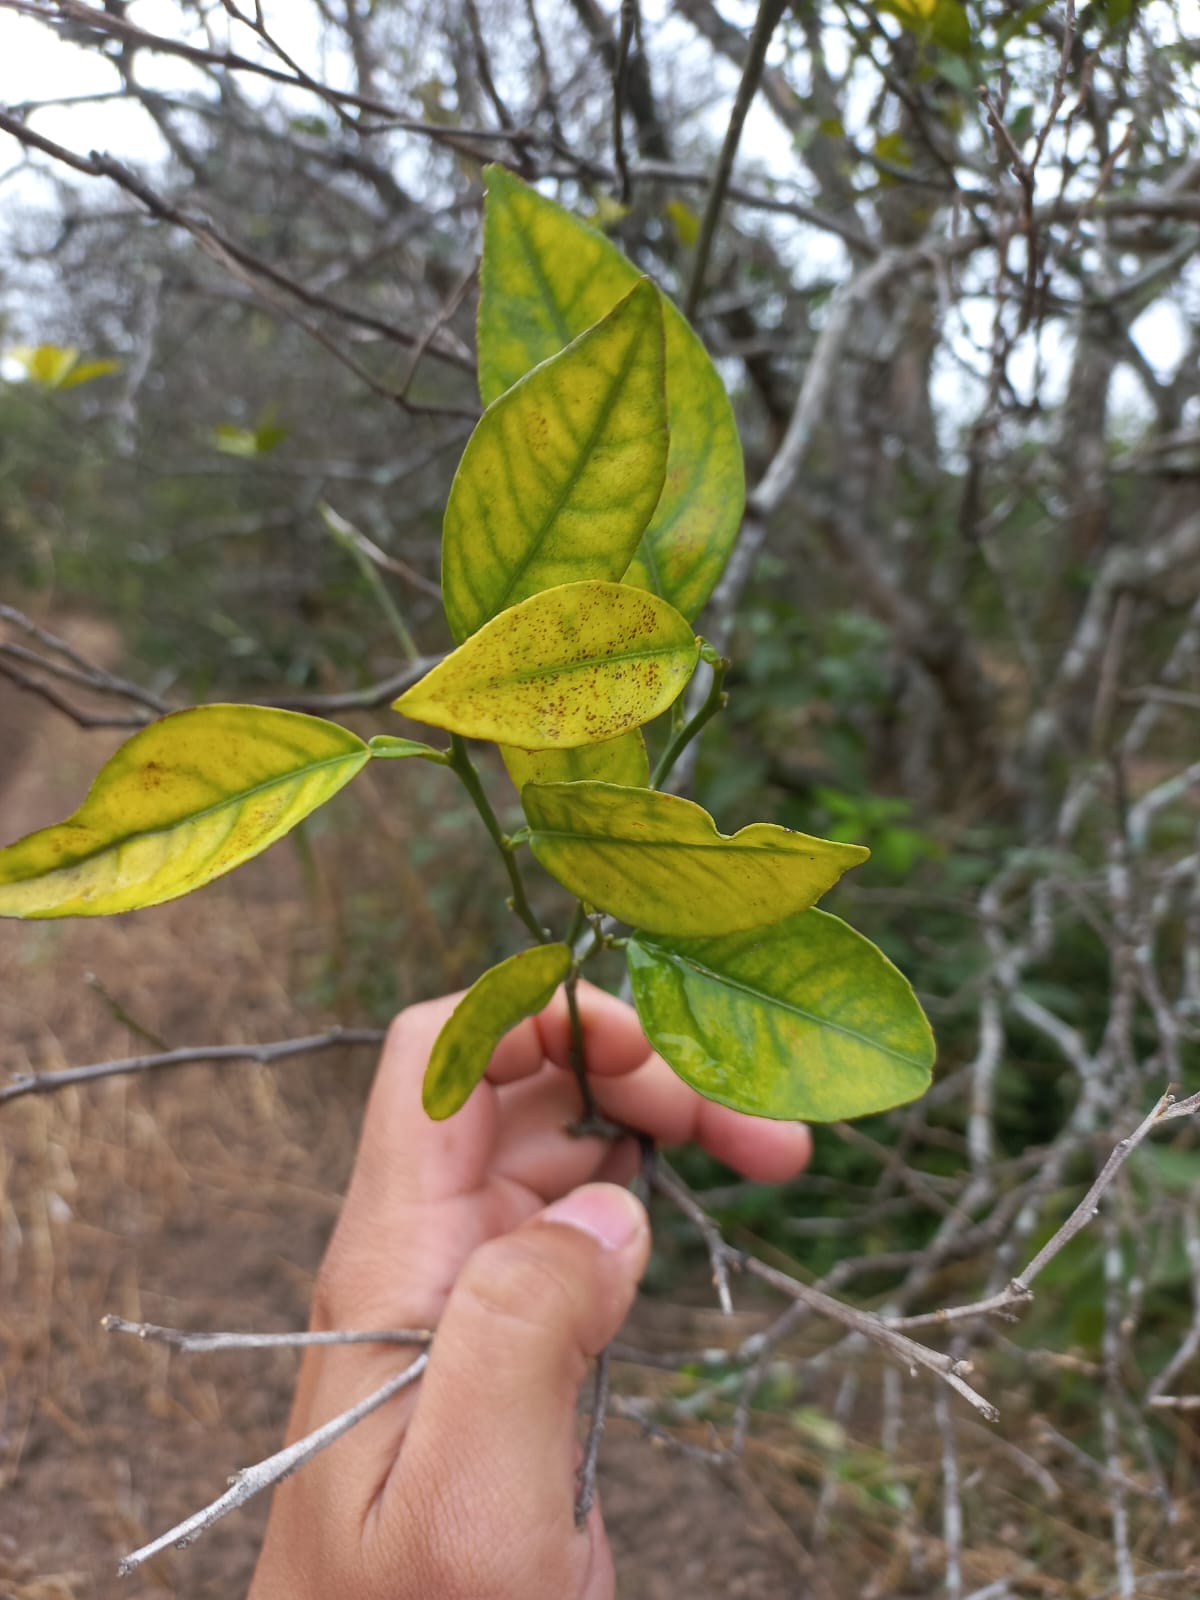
(1018, 1292)
(460, 763)
(769, 13)
(620, 74)
(264, 1054)
(714, 701)
(200, 1343)
(266, 1474)
(586, 1495)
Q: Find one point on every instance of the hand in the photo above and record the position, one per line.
(511, 1237)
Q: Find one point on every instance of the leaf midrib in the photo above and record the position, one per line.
(723, 841)
(532, 674)
(536, 545)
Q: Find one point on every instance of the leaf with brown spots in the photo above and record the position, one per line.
(182, 802)
(575, 665)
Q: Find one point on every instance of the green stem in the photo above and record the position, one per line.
(348, 536)
(460, 762)
(578, 1052)
(679, 741)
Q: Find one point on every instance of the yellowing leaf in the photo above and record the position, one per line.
(622, 760)
(88, 371)
(563, 472)
(803, 1019)
(45, 364)
(515, 989)
(182, 802)
(546, 277)
(574, 665)
(684, 220)
(657, 861)
(231, 440)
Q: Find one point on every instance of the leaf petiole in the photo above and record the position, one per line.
(459, 761)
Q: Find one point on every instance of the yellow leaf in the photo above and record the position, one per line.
(574, 665)
(684, 220)
(657, 861)
(88, 371)
(620, 760)
(45, 364)
(563, 472)
(506, 994)
(183, 801)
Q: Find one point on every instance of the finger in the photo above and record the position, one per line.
(656, 1100)
(403, 1156)
(633, 1085)
(492, 1446)
(613, 1040)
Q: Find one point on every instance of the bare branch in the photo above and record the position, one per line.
(264, 1054)
(251, 1481)
(201, 1343)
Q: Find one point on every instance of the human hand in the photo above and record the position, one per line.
(511, 1237)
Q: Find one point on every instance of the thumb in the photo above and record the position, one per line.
(494, 1438)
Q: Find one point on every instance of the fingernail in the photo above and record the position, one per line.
(612, 1216)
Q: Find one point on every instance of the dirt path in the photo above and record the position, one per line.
(204, 1199)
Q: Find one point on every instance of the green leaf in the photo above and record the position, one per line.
(563, 472)
(518, 988)
(183, 801)
(657, 861)
(546, 277)
(622, 761)
(387, 748)
(574, 665)
(803, 1019)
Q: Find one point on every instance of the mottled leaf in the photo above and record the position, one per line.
(563, 472)
(515, 989)
(574, 665)
(657, 861)
(805, 1018)
(546, 277)
(183, 801)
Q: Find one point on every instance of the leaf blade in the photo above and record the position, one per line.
(546, 277)
(505, 995)
(658, 862)
(564, 470)
(804, 1019)
(184, 801)
(578, 664)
